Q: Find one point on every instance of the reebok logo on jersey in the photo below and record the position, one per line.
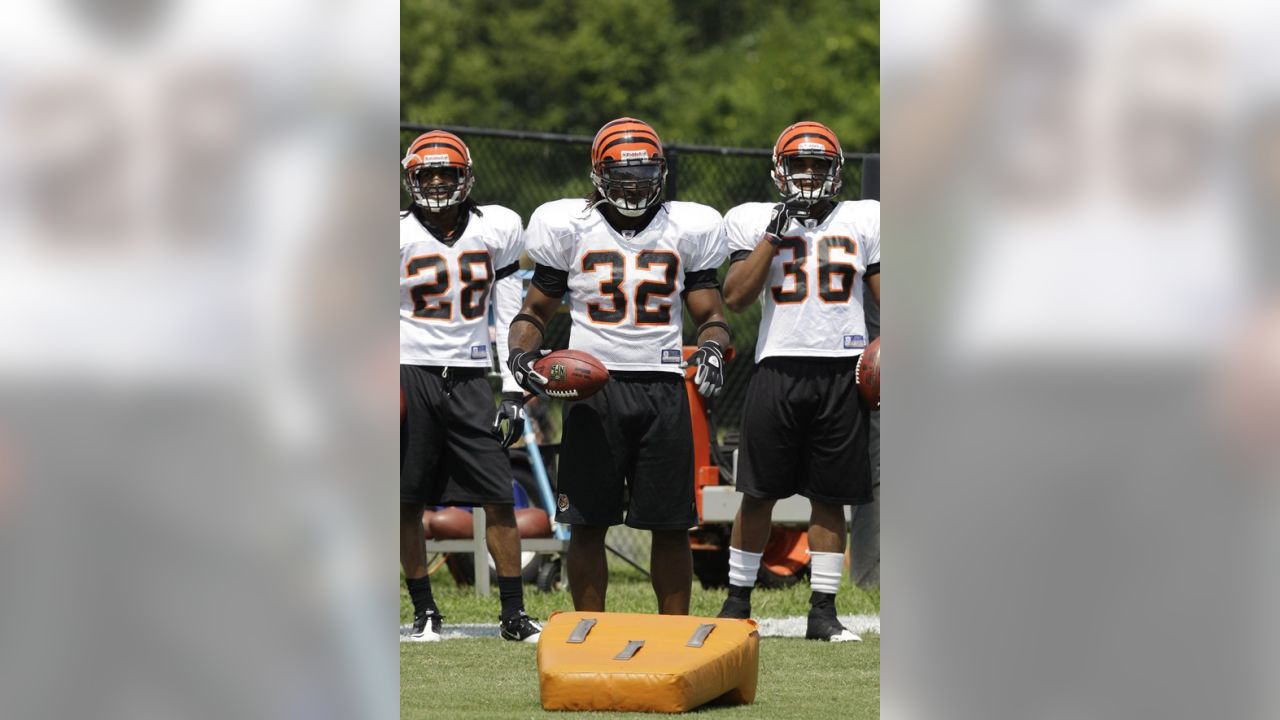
(479, 352)
(671, 356)
(635, 155)
(854, 341)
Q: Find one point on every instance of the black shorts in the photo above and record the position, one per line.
(448, 452)
(629, 446)
(805, 432)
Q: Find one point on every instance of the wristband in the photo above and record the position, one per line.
(714, 323)
(532, 321)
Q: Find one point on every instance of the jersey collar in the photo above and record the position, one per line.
(459, 229)
(656, 223)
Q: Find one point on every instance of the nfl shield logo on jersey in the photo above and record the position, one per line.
(854, 341)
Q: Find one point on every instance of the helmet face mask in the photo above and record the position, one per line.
(807, 161)
(628, 166)
(437, 187)
(809, 178)
(437, 171)
(632, 187)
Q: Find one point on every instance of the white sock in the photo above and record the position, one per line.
(743, 567)
(824, 571)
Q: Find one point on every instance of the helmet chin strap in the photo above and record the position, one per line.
(430, 204)
(619, 205)
(798, 206)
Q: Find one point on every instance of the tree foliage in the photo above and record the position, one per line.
(700, 71)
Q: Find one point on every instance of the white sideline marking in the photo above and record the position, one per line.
(792, 627)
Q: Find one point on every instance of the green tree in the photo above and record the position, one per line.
(700, 71)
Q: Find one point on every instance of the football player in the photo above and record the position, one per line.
(456, 258)
(803, 429)
(630, 264)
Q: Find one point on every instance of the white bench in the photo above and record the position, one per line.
(480, 551)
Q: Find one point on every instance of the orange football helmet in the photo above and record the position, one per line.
(807, 161)
(628, 166)
(437, 170)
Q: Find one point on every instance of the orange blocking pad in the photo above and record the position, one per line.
(646, 663)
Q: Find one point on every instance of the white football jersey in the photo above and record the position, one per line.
(812, 299)
(445, 290)
(624, 291)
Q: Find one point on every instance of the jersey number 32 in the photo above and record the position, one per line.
(615, 309)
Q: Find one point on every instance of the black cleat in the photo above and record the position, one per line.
(825, 626)
(426, 627)
(520, 628)
(735, 608)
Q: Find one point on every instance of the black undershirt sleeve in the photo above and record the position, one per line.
(872, 269)
(552, 282)
(507, 271)
(700, 279)
(737, 255)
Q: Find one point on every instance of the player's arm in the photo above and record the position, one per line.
(713, 337)
(748, 273)
(707, 311)
(871, 246)
(529, 326)
(506, 304)
(506, 299)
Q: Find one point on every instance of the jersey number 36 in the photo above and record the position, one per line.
(835, 279)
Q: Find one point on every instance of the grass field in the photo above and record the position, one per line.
(475, 679)
(629, 591)
(483, 678)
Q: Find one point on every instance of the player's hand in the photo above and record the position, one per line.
(511, 410)
(521, 366)
(709, 359)
(778, 222)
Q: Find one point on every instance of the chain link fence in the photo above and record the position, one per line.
(522, 170)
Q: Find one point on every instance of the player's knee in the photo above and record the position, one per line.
(753, 507)
(827, 511)
(827, 515)
(669, 540)
(588, 535)
(503, 515)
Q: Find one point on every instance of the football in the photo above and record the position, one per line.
(427, 514)
(533, 522)
(868, 375)
(572, 374)
(451, 523)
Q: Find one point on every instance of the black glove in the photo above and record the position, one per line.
(709, 359)
(778, 223)
(521, 366)
(511, 410)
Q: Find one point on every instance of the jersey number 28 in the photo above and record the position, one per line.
(428, 304)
